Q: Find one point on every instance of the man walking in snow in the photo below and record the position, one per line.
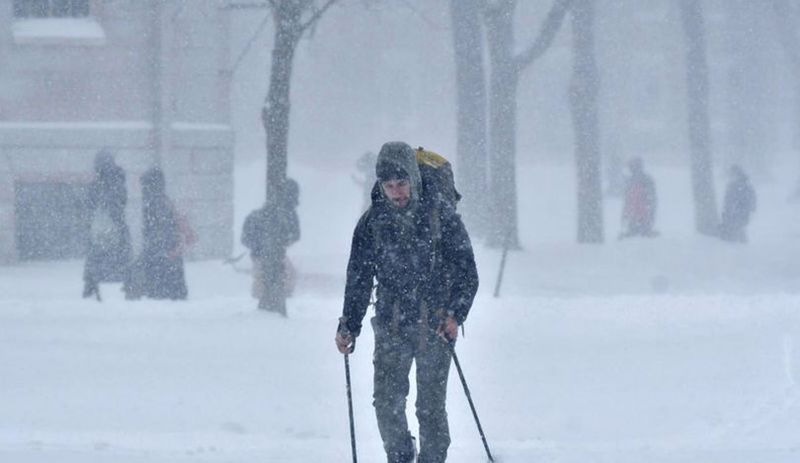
(416, 247)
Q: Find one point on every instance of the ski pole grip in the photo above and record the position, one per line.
(346, 332)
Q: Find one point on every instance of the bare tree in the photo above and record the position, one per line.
(747, 135)
(699, 126)
(583, 103)
(471, 105)
(292, 18)
(290, 25)
(504, 78)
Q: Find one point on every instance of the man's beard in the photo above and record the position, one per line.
(401, 202)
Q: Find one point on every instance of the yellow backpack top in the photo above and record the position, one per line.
(437, 176)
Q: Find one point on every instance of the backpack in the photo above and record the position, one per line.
(253, 231)
(187, 237)
(437, 177)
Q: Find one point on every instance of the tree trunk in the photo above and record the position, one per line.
(504, 78)
(275, 115)
(583, 102)
(747, 140)
(699, 125)
(289, 27)
(472, 164)
(788, 19)
(502, 127)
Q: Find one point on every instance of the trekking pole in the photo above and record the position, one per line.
(350, 407)
(502, 266)
(500, 272)
(342, 325)
(469, 399)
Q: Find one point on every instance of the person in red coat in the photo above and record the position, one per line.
(639, 209)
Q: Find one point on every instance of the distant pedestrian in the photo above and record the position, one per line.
(640, 202)
(738, 206)
(158, 273)
(267, 232)
(109, 251)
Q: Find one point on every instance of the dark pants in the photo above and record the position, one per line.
(395, 349)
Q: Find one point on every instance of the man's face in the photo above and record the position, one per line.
(398, 191)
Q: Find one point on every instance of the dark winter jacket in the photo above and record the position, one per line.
(421, 258)
(107, 191)
(160, 263)
(739, 203)
(109, 251)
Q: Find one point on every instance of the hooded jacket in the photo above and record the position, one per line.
(420, 255)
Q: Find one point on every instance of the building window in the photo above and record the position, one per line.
(51, 8)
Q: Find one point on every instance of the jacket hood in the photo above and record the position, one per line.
(397, 155)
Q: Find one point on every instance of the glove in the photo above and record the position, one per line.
(448, 329)
(345, 341)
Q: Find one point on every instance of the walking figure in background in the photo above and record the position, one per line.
(639, 207)
(412, 241)
(158, 272)
(266, 231)
(738, 206)
(365, 165)
(109, 251)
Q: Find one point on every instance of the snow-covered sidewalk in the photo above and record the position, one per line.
(596, 378)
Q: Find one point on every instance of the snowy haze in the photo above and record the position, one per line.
(374, 71)
(681, 348)
(628, 352)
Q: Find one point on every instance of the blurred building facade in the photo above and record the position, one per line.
(147, 79)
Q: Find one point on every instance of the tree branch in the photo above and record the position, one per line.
(550, 27)
(316, 16)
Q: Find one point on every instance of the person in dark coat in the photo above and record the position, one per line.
(158, 272)
(267, 232)
(416, 247)
(109, 251)
(738, 205)
(640, 202)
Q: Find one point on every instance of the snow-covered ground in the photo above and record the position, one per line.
(676, 349)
